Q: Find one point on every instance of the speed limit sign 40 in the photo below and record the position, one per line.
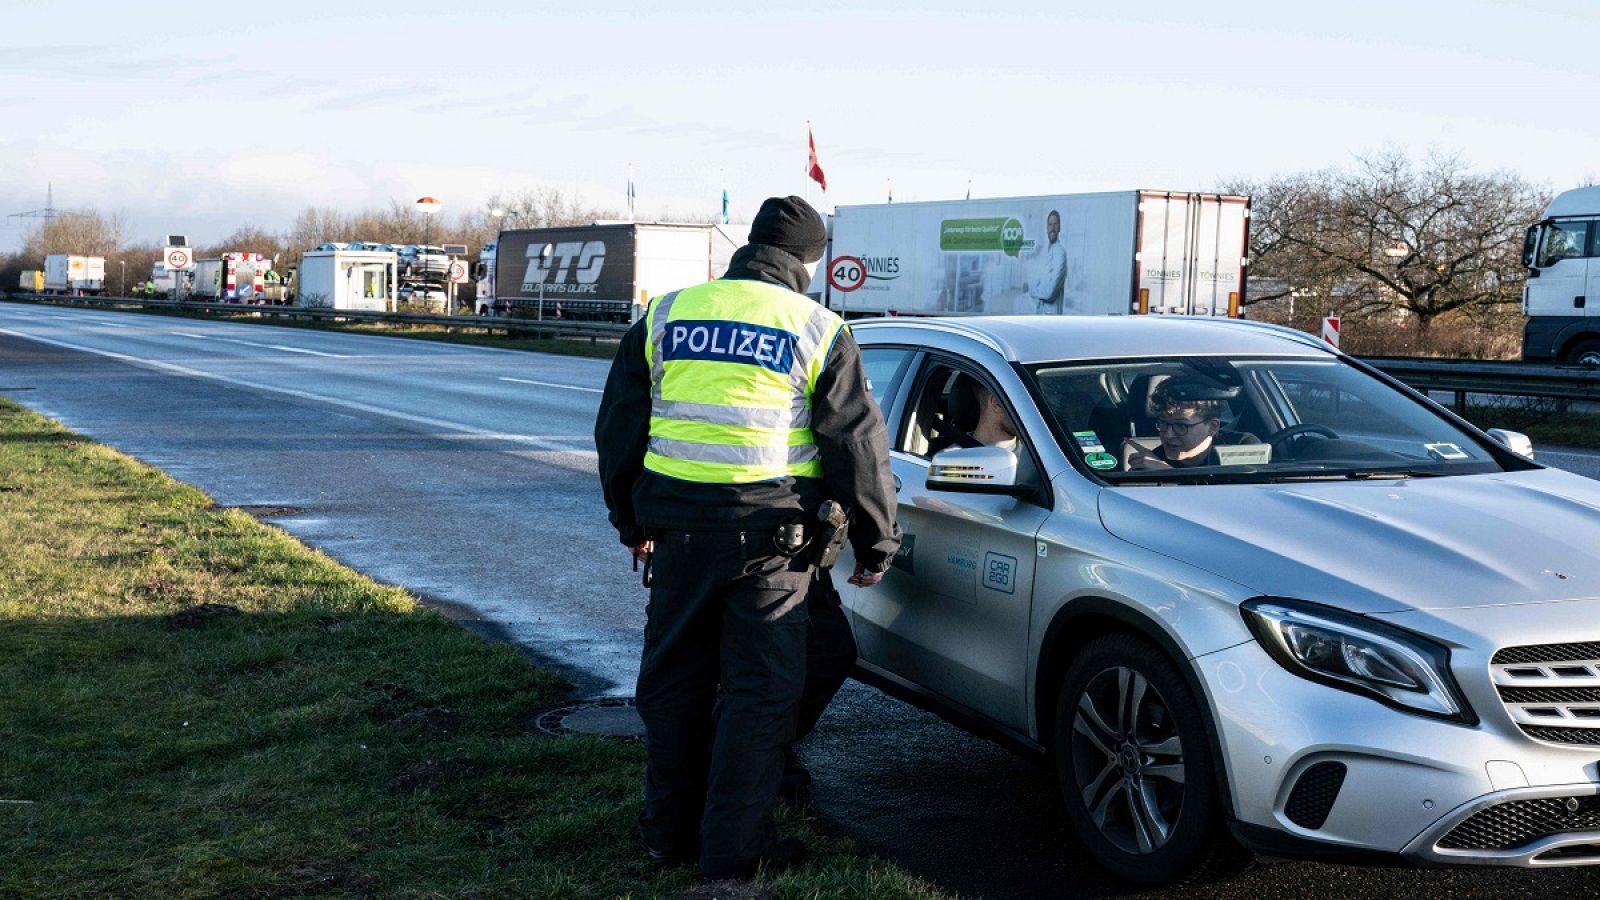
(178, 259)
(846, 273)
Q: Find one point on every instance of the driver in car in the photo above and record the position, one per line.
(1187, 428)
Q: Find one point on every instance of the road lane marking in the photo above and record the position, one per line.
(570, 387)
(209, 337)
(171, 368)
(112, 324)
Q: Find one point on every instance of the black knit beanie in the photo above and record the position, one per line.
(790, 224)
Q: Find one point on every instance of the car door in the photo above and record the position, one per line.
(951, 616)
(1561, 286)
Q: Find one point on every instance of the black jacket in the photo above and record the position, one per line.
(845, 421)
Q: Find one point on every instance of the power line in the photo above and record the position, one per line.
(49, 211)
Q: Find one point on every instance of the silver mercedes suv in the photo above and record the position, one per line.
(1245, 593)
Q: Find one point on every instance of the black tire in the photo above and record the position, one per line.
(1584, 353)
(1140, 788)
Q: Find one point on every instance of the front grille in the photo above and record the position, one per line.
(1521, 822)
(1552, 691)
(1313, 795)
(1537, 653)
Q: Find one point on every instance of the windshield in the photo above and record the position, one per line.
(1221, 420)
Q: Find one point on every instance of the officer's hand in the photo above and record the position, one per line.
(642, 549)
(863, 578)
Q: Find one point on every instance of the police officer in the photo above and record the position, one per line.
(733, 409)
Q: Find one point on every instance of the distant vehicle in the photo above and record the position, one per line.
(1119, 253)
(603, 271)
(1562, 253)
(68, 274)
(231, 278)
(31, 281)
(347, 279)
(423, 262)
(421, 293)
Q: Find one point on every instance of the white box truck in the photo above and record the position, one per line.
(602, 271)
(231, 278)
(1119, 253)
(31, 281)
(65, 273)
(1562, 253)
(347, 279)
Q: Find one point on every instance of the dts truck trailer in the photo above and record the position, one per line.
(605, 271)
(68, 274)
(1127, 252)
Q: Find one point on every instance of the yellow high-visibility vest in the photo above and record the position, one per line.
(733, 365)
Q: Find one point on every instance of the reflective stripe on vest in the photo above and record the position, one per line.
(733, 365)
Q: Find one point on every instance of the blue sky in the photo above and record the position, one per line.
(198, 117)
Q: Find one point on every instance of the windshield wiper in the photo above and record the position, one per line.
(1363, 474)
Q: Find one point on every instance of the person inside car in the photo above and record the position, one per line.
(1188, 428)
(994, 428)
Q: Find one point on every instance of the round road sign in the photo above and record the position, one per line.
(177, 259)
(846, 273)
(458, 270)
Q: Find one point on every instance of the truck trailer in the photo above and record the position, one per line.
(31, 281)
(1562, 253)
(605, 271)
(1117, 253)
(65, 273)
(348, 279)
(231, 278)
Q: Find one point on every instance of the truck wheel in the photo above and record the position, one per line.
(1135, 769)
(1584, 353)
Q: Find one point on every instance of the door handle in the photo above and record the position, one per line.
(1577, 302)
(897, 484)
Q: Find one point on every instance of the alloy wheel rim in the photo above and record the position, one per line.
(1128, 760)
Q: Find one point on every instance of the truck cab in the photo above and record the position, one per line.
(1562, 253)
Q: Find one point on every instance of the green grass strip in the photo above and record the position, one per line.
(330, 738)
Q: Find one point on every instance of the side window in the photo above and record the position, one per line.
(883, 365)
(952, 408)
(1564, 240)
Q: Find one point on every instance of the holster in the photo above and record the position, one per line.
(833, 520)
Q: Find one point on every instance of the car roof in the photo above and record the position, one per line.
(1035, 339)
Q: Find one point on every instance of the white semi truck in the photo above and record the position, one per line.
(65, 273)
(1119, 253)
(1562, 253)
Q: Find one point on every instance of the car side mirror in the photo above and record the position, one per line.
(975, 470)
(1515, 441)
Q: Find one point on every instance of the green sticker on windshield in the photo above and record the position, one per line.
(1100, 461)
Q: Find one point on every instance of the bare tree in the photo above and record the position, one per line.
(1426, 240)
(85, 233)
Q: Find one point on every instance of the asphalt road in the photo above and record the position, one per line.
(466, 475)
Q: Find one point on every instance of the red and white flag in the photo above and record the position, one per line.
(814, 168)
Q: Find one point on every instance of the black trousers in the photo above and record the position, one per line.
(725, 610)
(830, 652)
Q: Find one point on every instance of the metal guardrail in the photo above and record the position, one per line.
(1513, 379)
(1458, 376)
(555, 328)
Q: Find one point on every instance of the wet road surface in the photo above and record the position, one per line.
(466, 475)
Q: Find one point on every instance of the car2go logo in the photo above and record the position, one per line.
(581, 259)
(1000, 572)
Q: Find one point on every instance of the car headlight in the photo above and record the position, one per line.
(1357, 654)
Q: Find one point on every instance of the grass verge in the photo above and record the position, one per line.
(312, 732)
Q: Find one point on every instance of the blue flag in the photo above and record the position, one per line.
(724, 204)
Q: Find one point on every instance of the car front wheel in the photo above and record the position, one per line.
(1135, 768)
